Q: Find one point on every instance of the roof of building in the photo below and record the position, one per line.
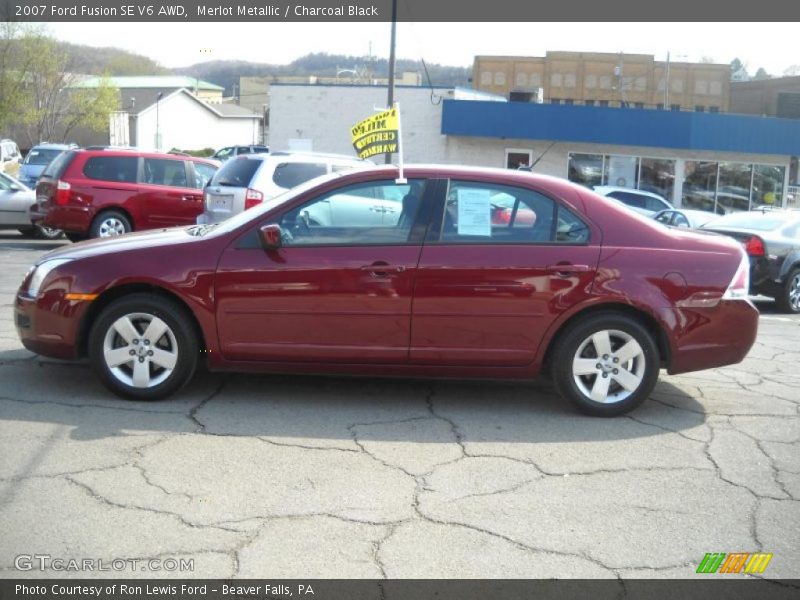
(224, 111)
(151, 81)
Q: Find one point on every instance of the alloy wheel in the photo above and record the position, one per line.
(111, 226)
(608, 366)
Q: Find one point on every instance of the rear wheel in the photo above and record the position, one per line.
(28, 231)
(48, 233)
(143, 347)
(789, 300)
(606, 364)
(110, 223)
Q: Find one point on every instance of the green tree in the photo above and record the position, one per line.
(18, 59)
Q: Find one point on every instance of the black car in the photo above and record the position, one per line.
(772, 241)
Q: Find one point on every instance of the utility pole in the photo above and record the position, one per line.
(666, 85)
(390, 99)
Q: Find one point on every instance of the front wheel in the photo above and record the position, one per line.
(789, 299)
(606, 364)
(143, 347)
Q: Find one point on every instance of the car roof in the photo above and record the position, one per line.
(55, 146)
(106, 151)
(302, 157)
(605, 189)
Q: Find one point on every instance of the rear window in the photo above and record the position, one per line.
(237, 172)
(39, 156)
(55, 168)
(751, 220)
(112, 168)
(289, 175)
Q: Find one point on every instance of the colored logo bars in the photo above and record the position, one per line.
(737, 562)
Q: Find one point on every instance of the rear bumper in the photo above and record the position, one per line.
(705, 338)
(73, 219)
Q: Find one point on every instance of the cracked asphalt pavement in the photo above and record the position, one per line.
(300, 477)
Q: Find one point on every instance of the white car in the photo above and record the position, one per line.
(250, 179)
(646, 203)
(16, 200)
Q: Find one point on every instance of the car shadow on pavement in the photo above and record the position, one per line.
(15, 241)
(325, 410)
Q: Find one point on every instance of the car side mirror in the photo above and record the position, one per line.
(271, 236)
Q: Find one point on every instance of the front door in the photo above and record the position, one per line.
(169, 199)
(338, 290)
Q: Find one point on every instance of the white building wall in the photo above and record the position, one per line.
(324, 115)
(186, 125)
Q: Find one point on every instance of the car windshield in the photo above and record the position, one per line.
(242, 218)
(41, 156)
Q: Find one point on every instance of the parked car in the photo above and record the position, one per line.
(678, 217)
(772, 241)
(15, 202)
(37, 159)
(231, 151)
(646, 203)
(574, 292)
(104, 193)
(9, 153)
(250, 179)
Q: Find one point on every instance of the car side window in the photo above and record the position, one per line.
(360, 215)
(159, 171)
(629, 199)
(653, 204)
(664, 217)
(202, 174)
(290, 174)
(112, 168)
(680, 220)
(224, 153)
(480, 213)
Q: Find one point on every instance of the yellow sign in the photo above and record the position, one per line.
(378, 134)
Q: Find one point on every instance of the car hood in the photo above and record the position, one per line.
(124, 243)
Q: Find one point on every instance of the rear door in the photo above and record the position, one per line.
(329, 294)
(488, 288)
(166, 191)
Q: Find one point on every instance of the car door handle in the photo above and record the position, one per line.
(382, 269)
(566, 268)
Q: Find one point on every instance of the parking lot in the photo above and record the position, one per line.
(296, 477)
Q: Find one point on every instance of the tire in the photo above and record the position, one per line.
(75, 237)
(604, 384)
(789, 299)
(121, 329)
(48, 233)
(110, 223)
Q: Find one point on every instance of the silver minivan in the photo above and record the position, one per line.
(250, 179)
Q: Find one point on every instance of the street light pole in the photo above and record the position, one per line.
(158, 133)
(390, 99)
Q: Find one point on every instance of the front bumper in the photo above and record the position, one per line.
(49, 325)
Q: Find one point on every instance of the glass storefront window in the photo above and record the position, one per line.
(699, 185)
(733, 189)
(621, 171)
(657, 175)
(768, 185)
(586, 169)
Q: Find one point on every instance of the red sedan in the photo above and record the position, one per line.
(566, 282)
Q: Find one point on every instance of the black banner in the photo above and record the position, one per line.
(737, 588)
(407, 10)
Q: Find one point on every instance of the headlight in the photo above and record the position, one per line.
(41, 271)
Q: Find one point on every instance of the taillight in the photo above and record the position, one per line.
(501, 216)
(252, 198)
(62, 192)
(754, 246)
(739, 287)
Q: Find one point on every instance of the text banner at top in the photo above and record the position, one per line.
(407, 10)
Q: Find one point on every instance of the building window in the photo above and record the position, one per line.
(603, 102)
(701, 87)
(699, 108)
(713, 109)
(556, 80)
(486, 78)
(569, 101)
(660, 106)
(605, 82)
(641, 84)
(715, 88)
(676, 85)
(590, 82)
(657, 175)
(536, 80)
(499, 78)
(768, 185)
(639, 104)
(589, 102)
(521, 80)
(621, 171)
(661, 85)
(518, 158)
(569, 80)
(586, 169)
(674, 106)
(733, 189)
(699, 185)
(555, 100)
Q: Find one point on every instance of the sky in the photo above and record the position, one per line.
(773, 46)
